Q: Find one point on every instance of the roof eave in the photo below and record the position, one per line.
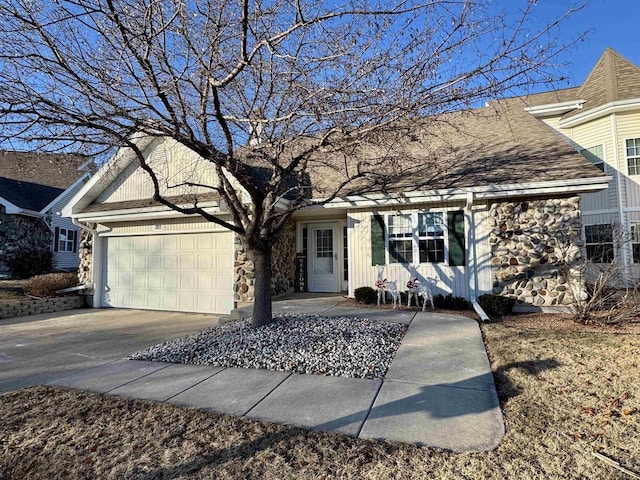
(554, 109)
(581, 185)
(600, 111)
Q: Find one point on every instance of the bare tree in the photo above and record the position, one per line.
(266, 92)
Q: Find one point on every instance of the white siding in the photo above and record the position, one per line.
(482, 248)
(600, 218)
(173, 164)
(452, 280)
(599, 132)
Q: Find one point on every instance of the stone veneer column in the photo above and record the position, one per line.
(535, 247)
(85, 250)
(282, 267)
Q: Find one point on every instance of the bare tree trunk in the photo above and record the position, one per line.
(262, 309)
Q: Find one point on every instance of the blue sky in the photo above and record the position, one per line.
(610, 23)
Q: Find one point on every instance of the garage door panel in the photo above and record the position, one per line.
(170, 281)
(155, 262)
(183, 272)
(188, 262)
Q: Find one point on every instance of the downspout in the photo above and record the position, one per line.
(624, 252)
(472, 259)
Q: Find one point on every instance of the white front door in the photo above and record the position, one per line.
(323, 258)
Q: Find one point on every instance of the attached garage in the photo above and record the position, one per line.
(187, 272)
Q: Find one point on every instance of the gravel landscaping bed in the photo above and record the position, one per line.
(337, 346)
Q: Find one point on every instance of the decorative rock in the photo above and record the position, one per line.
(337, 346)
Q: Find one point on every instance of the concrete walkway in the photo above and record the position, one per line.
(439, 390)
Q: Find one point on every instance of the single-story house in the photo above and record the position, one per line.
(493, 193)
(33, 190)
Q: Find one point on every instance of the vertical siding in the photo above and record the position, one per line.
(452, 280)
(600, 218)
(483, 248)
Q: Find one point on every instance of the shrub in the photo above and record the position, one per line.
(450, 302)
(496, 305)
(26, 264)
(366, 295)
(48, 285)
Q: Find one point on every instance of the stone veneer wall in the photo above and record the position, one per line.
(20, 308)
(533, 246)
(85, 250)
(282, 267)
(19, 233)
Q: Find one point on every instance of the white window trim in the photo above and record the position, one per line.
(605, 164)
(415, 238)
(66, 241)
(634, 241)
(613, 242)
(627, 157)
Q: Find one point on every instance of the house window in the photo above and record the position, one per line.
(400, 241)
(596, 156)
(633, 156)
(635, 241)
(65, 240)
(599, 242)
(431, 237)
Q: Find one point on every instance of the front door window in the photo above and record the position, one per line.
(323, 263)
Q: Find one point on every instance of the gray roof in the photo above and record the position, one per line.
(495, 145)
(51, 170)
(27, 195)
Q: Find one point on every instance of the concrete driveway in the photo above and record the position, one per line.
(41, 348)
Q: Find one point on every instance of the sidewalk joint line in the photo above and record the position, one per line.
(138, 378)
(195, 384)
(373, 401)
(267, 394)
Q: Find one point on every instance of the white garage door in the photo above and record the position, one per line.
(185, 273)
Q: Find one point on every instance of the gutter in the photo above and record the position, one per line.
(473, 261)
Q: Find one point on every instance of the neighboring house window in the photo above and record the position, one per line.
(596, 156)
(431, 237)
(635, 241)
(599, 242)
(66, 240)
(633, 156)
(400, 241)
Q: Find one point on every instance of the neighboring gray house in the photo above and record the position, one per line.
(33, 190)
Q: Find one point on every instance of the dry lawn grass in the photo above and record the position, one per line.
(564, 394)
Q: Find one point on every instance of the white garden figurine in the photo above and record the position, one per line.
(419, 289)
(383, 286)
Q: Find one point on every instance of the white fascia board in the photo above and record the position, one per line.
(485, 192)
(149, 213)
(601, 111)
(116, 164)
(12, 209)
(552, 109)
(9, 207)
(66, 192)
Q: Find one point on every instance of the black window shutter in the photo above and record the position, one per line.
(56, 239)
(377, 240)
(455, 227)
(75, 240)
